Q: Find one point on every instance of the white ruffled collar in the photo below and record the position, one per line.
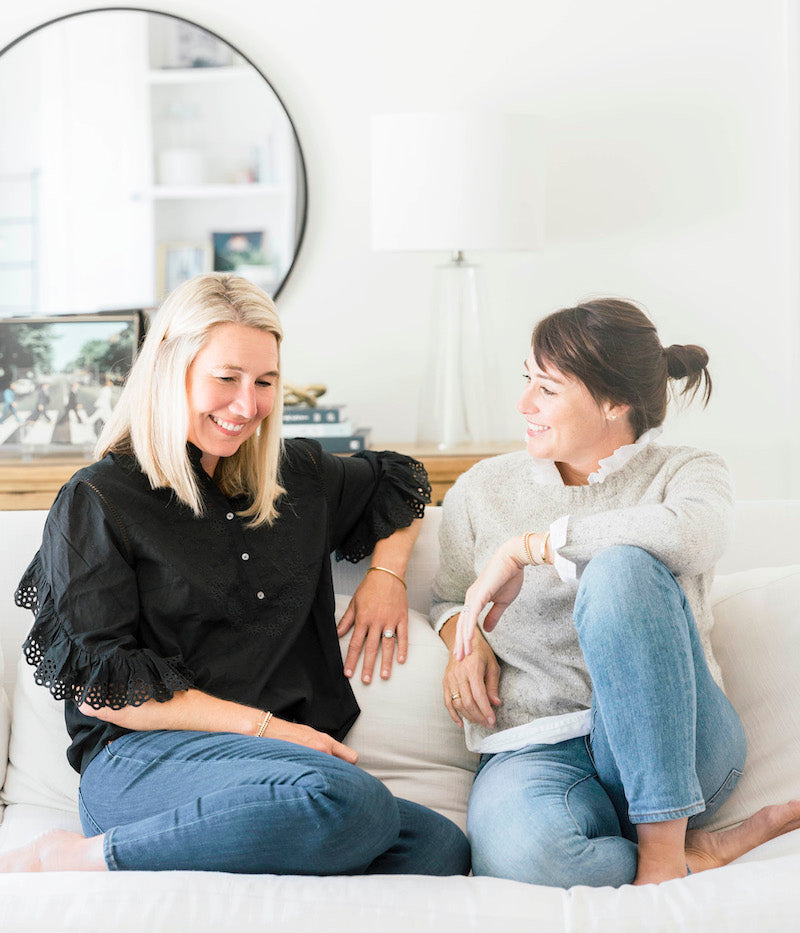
(546, 472)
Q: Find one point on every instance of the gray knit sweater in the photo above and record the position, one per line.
(675, 502)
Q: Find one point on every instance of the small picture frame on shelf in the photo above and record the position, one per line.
(60, 377)
(178, 262)
(246, 254)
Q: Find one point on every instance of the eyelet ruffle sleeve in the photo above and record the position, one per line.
(400, 494)
(73, 668)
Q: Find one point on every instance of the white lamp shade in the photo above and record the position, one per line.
(457, 181)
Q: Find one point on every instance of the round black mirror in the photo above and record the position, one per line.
(139, 149)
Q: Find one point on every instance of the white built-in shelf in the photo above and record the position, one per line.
(179, 192)
(199, 75)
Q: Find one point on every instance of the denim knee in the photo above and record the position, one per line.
(549, 850)
(359, 808)
(499, 852)
(616, 582)
(621, 564)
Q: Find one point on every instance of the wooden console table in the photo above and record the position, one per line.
(444, 467)
(33, 484)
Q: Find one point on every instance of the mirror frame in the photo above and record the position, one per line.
(301, 158)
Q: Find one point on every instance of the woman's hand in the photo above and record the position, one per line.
(310, 738)
(379, 605)
(499, 583)
(470, 685)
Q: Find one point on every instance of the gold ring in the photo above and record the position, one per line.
(455, 696)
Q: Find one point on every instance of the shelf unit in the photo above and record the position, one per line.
(19, 252)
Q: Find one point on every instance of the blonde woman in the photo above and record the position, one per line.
(184, 612)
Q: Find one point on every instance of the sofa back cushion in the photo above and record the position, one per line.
(756, 639)
(404, 735)
(422, 566)
(38, 771)
(5, 726)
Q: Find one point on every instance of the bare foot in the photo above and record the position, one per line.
(706, 850)
(654, 871)
(660, 855)
(57, 851)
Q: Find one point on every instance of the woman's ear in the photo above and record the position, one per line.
(616, 412)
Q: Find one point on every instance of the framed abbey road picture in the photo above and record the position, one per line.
(60, 378)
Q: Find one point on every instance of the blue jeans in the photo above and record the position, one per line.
(223, 802)
(665, 743)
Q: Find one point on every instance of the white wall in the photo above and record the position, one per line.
(673, 162)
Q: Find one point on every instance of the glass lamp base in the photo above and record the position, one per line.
(455, 396)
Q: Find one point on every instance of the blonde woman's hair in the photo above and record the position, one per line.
(151, 419)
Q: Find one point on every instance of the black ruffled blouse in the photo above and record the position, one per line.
(136, 598)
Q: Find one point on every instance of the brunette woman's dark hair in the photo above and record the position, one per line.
(612, 347)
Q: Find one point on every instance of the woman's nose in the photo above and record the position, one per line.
(525, 403)
(245, 402)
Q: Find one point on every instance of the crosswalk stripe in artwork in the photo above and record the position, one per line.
(48, 430)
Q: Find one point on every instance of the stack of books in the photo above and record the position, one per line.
(327, 424)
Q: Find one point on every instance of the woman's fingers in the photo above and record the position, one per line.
(481, 703)
(371, 646)
(340, 750)
(310, 738)
(465, 631)
(468, 698)
(393, 638)
(451, 697)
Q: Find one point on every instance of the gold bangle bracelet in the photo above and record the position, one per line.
(264, 724)
(543, 552)
(386, 570)
(527, 544)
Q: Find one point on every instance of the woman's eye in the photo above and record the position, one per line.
(262, 383)
(546, 391)
(526, 377)
(226, 378)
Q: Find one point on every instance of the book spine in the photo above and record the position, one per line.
(335, 429)
(346, 445)
(312, 415)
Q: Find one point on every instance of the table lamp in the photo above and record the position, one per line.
(456, 182)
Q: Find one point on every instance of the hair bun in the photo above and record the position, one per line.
(685, 360)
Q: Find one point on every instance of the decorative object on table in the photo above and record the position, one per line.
(178, 262)
(452, 182)
(60, 377)
(295, 395)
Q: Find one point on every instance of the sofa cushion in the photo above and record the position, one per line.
(5, 726)
(404, 735)
(38, 771)
(756, 639)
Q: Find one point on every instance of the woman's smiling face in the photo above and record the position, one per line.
(566, 424)
(230, 388)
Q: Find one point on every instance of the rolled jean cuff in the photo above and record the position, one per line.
(108, 853)
(662, 816)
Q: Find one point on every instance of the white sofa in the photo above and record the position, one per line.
(406, 739)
